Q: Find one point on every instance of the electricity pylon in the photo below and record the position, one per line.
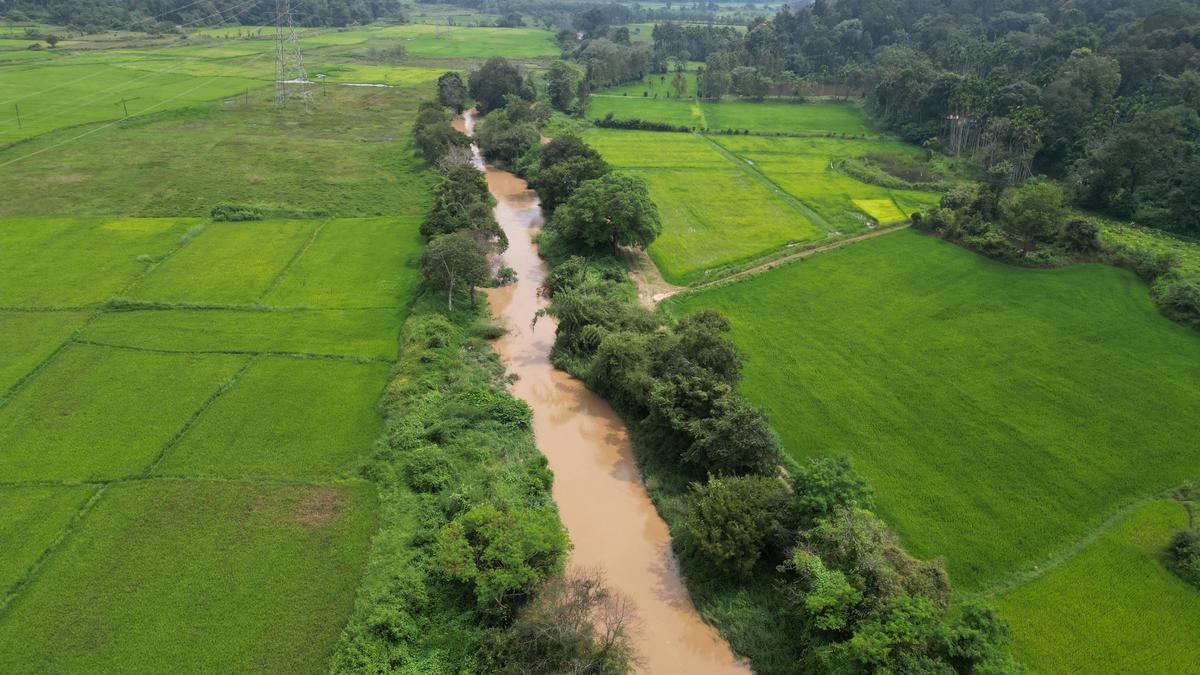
(290, 77)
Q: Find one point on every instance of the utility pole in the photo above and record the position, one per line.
(18, 109)
(125, 104)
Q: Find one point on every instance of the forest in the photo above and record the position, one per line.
(1102, 95)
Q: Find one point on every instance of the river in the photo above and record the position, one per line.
(599, 491)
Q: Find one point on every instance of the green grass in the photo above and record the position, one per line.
(787, 117)
(203, 576)
(1000, 413)
(679, 112)
(70, 262)
(1156, 241)
(345, 158)
(364, 334)
(53, 95)
(285, 418)
(31, 519)
(805, 168)
(227, 263)
(715, 212)
(355, 263)
(1113, 607)
(770, 117)
(652, 84)
(28, 338)
(96, 413)
(459, 42)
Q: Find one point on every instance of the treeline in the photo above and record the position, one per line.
(467, 572)
(851, 598)
(1101, 95)
(165, 15)
(1028, 225)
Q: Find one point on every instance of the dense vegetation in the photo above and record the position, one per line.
(1103, 96)
(165, 15)
(859, 601)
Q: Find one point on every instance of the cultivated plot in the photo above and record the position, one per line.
(287, 417)
(353, 333)
(1113, 607)
(807, 169)
(96, 413)
(999, 412)
(32, 518)
(29, 338)
(366, 262)
(204, 576)
(229, 263)
(72, 262)
(342, 159)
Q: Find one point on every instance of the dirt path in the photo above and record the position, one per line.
(652, 288)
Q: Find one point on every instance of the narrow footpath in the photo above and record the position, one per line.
(599, 491)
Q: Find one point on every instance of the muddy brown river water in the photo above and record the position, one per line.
(599, 491)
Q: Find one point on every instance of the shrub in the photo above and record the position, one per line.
(1179, 299)
(1184, 556)
(821, 487)
(574, 624)
(501, 555)
(1080, 236)
(730, 520)
(427, 469)
(235, 213)
(734, 440)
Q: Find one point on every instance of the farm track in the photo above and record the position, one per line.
(653, 289)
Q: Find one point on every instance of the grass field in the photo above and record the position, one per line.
(344, 159)
(1113, 607)
(805, 169)
(727, 200)
(173, 478)
(714, 211)
(999, 413)
(205, 576)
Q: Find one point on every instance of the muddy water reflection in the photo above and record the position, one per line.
(600, 495)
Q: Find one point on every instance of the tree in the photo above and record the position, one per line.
(1184, 556)
(1032, 211)
(562, 84)
(502, 139)
(824, 486)
(452, 92)
(461, 201)
(733, 440)
(614, 210)
(573, 624)
(495, 80)
(714, 84)
(454, 260)
(52, 40)
(502, 555)
(750, 82)
(557, 182)
(731, 520)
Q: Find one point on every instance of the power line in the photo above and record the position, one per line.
(247, 3)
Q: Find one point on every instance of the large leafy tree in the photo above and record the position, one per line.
(1032, 211)
(454, 261)
(452, 92)
(495, 80)
(611, 211)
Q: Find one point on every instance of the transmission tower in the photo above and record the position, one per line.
(290, 77)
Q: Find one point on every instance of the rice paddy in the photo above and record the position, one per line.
(960, 388)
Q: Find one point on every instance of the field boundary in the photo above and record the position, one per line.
(646, 287)
(63, 534)
(752, 171)
(1065, 554)
(312, 237)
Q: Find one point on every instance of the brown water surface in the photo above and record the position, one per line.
(600, 495)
